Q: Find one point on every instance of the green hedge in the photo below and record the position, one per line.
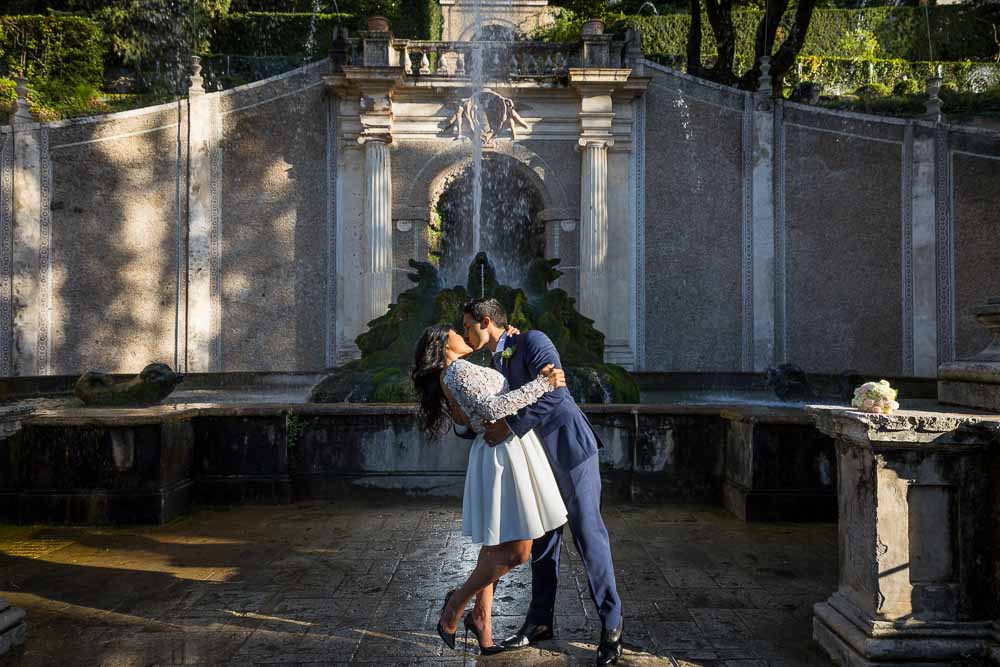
(958, 32)
(845, 75)
(64, 49)
(287, 34)
(274, 34)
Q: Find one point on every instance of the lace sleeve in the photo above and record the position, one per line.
(470, 385)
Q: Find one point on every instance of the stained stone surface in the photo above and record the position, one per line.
(274, 190)
(693, 202)
(112, 243)
(335, 584)
(843, 309)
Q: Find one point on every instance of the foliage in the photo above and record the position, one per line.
(958, 32)
(382, 373)
(58, 48)
(274, 34)
(841, 75)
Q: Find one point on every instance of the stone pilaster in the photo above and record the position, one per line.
(377, 279)
(30, 244)
(204, 303)
(921, 250)
(364, 217)
(918, 554)
(12, 627)
(595, 85)
(761, 320)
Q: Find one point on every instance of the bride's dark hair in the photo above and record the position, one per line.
(428, 362)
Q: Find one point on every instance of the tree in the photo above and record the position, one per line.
(720, 18)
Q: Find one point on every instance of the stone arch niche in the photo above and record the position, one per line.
(523, 202)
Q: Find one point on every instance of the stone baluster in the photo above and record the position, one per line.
(460, 64)
(425, 63)
(407, 64)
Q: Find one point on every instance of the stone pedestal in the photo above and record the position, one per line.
(12, 627)
(916, 539)
(975, 382)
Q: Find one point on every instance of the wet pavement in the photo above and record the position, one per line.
(339, 583)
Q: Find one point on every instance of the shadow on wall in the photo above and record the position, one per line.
(274, 244)
(113, 212)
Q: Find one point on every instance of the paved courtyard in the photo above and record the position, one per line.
(337, 583)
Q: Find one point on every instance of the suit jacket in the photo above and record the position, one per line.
(557, 420)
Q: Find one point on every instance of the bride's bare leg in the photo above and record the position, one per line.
(493, 563)
(482, 613)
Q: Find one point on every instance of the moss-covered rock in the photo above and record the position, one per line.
(382, 375)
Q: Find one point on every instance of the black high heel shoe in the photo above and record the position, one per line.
(483, 650)
(447, 637)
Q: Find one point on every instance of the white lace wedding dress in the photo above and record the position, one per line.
(510, 492)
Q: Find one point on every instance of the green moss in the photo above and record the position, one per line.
(382, 374)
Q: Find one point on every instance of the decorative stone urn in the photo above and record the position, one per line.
(593, 27)
(975, 382)
(378, 24)
(12, 627)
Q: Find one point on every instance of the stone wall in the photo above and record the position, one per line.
(767, 231)
(112, 212)
(274, 196)
(776, 233)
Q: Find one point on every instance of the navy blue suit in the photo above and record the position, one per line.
(571, 446)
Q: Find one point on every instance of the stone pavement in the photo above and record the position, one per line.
(338, 583)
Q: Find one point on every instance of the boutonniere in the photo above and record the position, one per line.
(508, 352)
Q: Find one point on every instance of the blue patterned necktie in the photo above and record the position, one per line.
(498, 361)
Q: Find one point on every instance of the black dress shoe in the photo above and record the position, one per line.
(611, 645)
(530, 633)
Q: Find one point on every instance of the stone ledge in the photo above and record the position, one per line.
(981, 395)
(935, 425)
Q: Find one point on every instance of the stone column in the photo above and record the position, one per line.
(29, 241)
(377, 279)
(594, 230)
(918, 555)
(203, 265)
(12, 627)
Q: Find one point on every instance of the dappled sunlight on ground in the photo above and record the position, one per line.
(337, 583)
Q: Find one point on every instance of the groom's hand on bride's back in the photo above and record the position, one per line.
(496, 432)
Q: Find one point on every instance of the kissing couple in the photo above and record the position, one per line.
(533, 468)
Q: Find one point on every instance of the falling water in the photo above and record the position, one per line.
(310, 46)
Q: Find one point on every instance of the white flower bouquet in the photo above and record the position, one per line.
(877, 397)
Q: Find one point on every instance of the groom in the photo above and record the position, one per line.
(571, 446)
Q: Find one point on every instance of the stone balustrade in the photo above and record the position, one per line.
(500, 60)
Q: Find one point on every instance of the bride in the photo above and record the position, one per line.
(510, 496)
